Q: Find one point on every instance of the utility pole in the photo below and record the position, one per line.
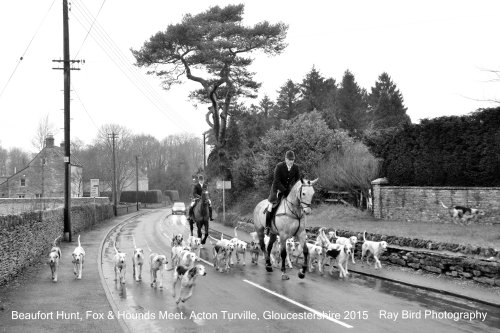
(204, 157)
(137, 181)
(67, 84)
(113, 136)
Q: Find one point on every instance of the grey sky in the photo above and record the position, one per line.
(435, 51)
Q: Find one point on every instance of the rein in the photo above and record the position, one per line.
(301, 205)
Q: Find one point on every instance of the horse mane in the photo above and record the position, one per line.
(294, 188)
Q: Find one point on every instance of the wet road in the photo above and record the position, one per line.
(248, 299)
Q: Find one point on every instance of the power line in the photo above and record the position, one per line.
(116, 56)
(27, 47)
(88, 32)
(84, 108)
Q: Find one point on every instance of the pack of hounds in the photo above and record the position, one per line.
(327, 249)
(55, 256)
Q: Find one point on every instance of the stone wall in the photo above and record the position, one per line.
(461, 261)
(20, 205)
(411, 203)
(26, 237)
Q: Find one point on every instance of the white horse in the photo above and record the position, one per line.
(289, 221)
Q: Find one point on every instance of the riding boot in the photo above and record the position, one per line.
(210, 213)
(268, 223)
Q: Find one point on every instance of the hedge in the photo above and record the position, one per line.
(152, 196)
(444, 151)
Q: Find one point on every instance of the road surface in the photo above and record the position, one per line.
(249, 299)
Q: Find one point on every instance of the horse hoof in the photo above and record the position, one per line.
(285, 277)
(269, 268)
(301, 275)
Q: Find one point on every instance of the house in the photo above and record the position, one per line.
(43, 177)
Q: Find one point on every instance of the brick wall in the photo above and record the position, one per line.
(411, 203)
(27, 237)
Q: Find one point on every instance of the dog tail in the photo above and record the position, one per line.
(364, 239)
(79, 244)
(55, 241)
(442, 204)
(335, 233)
(235, 233)
(116, 250)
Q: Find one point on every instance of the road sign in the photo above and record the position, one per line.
(224, 184)
(94, 188)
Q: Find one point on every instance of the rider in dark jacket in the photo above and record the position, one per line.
(197, 192)
(286, 174)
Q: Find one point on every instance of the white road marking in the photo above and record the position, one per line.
(317, 313)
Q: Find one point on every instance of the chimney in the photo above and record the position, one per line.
(49, 141)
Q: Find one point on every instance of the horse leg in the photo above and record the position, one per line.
(198, 226)
(203, 241)
(303, 240)
(191, 226)
(269, 266)
(284, 276)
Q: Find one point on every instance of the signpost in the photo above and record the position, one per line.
(224, 185)
(94, 188)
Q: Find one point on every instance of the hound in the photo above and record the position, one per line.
(157, 263)
(240, 247)
(177, 240)
(331, 252)
(187, 278)
(195, 244)
(222, 251)
(344, 240)
(339, 253)
(54, 256)
(137, 261)
(254, 248)
(376, 248)
(464, 213)
(78, 258)
(176, 254)
(315, 253)
(120, 264)
(291, 247)
(187, 258)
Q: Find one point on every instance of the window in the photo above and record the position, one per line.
(21, 195)
(23, 181)
(38, 195)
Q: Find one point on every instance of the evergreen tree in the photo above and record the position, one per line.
(350, 104)
(287, 102)
(314, 91)
(386, 106)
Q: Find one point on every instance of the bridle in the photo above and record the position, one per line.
(302, 205)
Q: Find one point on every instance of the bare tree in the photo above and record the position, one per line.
(43, 129)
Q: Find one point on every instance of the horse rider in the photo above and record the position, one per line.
(197, 192)
(286, 174)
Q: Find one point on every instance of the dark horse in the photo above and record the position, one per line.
(201, 216)
(289, 221)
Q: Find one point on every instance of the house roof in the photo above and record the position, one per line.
(59, 152)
